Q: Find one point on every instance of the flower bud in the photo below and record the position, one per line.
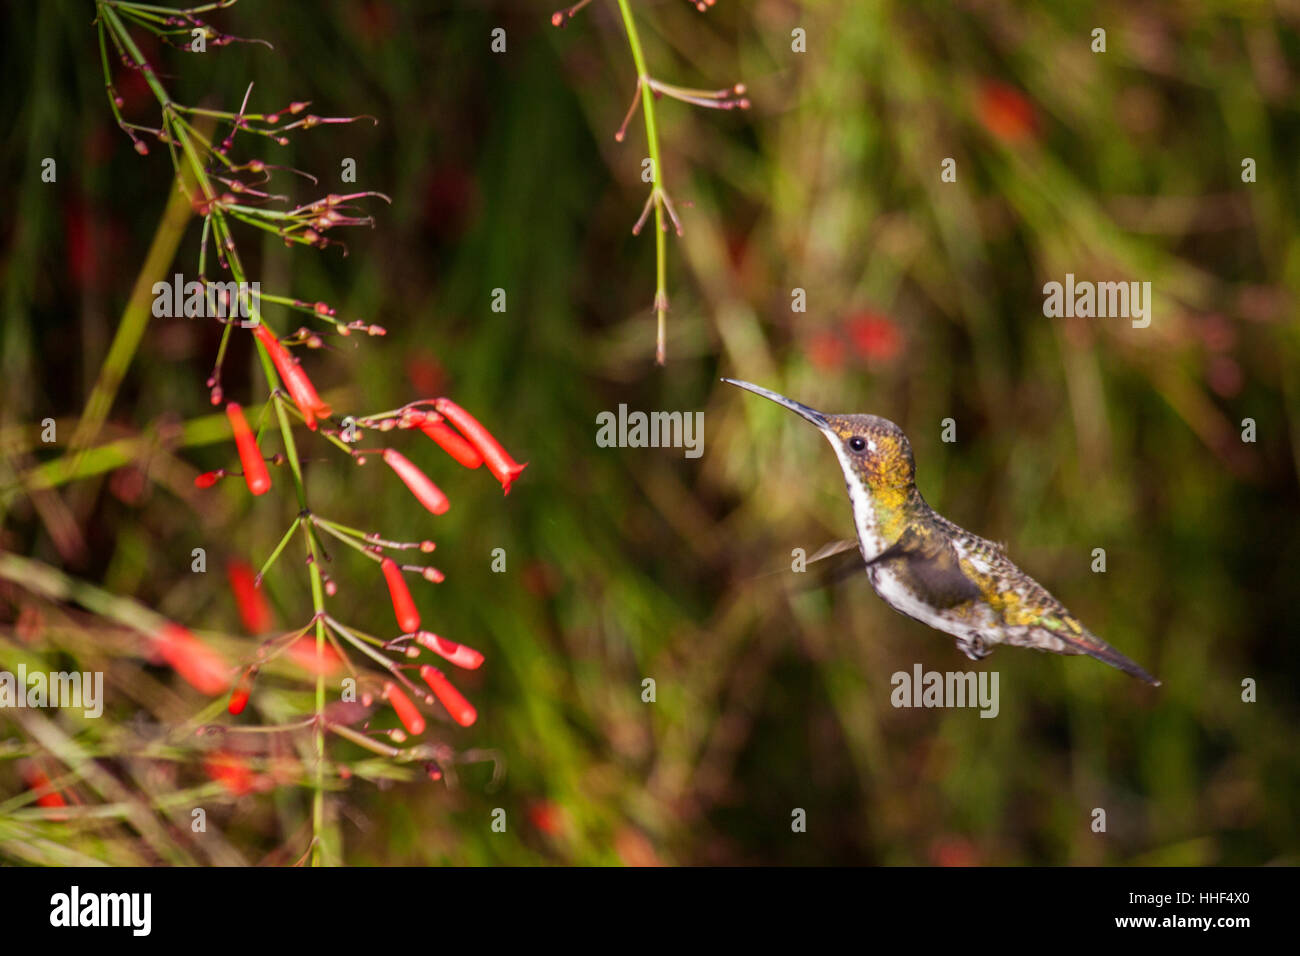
(407, 712)
(250, 456)
(239, 696)
(458, 654)
(461, 710)
(425, 491)
(295, 380)
(254, 610)
(450, 441)
(499, 462)
(408, 618)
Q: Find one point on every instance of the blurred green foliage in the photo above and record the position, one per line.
(924, 303)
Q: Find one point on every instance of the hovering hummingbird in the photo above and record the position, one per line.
(924, 566)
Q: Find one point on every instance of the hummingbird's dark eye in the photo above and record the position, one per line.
(857, 443)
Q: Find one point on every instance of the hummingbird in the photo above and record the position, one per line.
(930, 569)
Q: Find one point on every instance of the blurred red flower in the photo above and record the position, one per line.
(954, 851)
(231, 771)
(826, 351)
(546, 816)
(36, 779)
(1006, 112)
(254, 610)
(873, 336)
(425, 373)
(303, 653)
(864, 335)
(199, 664)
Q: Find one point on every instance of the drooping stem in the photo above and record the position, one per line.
(657, 191)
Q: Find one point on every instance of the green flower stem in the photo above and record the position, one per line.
(122, 38)
(279, 547)
(184, 135)
(656, 192)
(361, 740)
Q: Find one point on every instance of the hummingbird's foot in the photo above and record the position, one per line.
(974, 647)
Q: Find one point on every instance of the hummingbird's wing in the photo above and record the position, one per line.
(845, 566)
(832, 548)
(828, 574)
(932, 565)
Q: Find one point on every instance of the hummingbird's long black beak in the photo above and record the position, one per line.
(812, 415)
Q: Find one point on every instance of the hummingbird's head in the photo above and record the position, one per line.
(871, 449)
(874, 448)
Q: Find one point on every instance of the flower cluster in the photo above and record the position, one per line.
(223, 191)
(455, 431)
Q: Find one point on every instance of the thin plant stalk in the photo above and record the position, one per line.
(652, 144)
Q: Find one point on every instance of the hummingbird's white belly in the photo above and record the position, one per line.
(972, 632)
(896, 593)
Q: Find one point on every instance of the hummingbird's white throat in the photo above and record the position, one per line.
(864, 509)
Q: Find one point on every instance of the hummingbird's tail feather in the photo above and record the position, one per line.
(1095, 647)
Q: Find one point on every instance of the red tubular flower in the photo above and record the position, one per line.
(452, 443)
(254, 610)
(826, 351)
(36, 779)
(407, 712)
(499, 462)
(303, 653)
(239, 696)
(231, 771)
(250, 456)
(199, 664)
(295, 379)
(461, 710)
(874, 336)
(458, 654)
(408, 618)
(1006, 112)
(428, 494)
(209, 478)
(547, 816)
